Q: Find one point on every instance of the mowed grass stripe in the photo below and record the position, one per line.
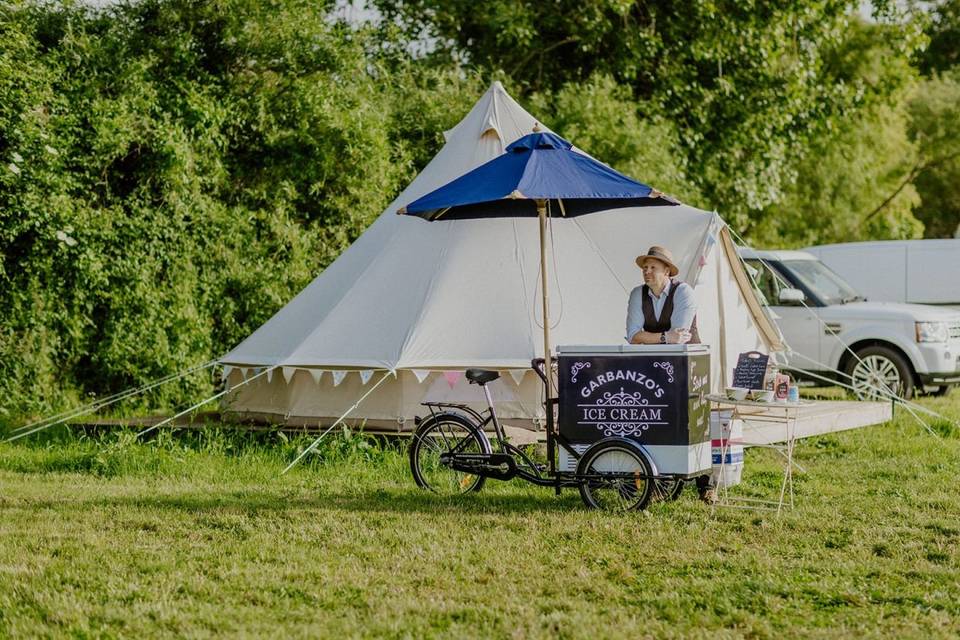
(200, 536)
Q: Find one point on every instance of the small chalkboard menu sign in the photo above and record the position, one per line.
(750, 370)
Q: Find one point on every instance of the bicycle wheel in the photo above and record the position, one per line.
(443, 434)
(667, 490)
(619, 476)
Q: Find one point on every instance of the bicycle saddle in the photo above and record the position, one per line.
(481, 376)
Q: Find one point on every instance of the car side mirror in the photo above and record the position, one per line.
(791, 296)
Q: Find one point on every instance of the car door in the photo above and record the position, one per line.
(799, 324)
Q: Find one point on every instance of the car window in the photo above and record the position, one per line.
(823, 282)
(765, 281)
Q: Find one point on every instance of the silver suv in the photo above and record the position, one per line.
(905, 347)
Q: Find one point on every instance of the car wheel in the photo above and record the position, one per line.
(876, 368)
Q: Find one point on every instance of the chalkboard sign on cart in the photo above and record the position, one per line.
(652, 394)
(751, 370)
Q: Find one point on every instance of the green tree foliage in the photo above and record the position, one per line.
(172, 173)
(838, 183)
(744, 83)
(854, 181)
(934, 118)
(935, 126)
(943, 29)
(423, 103)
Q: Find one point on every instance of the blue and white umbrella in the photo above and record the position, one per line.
(536, 169)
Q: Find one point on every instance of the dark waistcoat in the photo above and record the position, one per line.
(652, 324)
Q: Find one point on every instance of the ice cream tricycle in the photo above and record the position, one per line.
(632, 425)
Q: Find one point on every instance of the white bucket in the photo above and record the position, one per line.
(726, 435)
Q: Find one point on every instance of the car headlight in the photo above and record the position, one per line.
(932, 332)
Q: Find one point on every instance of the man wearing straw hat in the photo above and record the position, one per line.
(663, 310)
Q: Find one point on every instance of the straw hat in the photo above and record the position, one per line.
(661, 254)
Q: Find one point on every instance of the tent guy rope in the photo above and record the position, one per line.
(62, 417)
(906, 404)
(210, 399)
(391, 373)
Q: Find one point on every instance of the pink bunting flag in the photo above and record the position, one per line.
(452, 377)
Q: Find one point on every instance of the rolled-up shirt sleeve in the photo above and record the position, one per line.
(635, 312)
(684, 307)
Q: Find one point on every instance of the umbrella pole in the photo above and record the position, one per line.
(547, 364)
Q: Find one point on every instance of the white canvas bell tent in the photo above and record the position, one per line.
(421, 301)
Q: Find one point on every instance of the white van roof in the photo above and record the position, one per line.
(917, 271)
(934, 243)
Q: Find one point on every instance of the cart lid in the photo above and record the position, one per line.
(634, 349)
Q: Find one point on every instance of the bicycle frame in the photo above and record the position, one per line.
(526, 468)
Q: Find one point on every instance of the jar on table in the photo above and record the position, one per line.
(793, 394)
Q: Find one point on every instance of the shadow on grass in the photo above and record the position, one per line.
(375, 501)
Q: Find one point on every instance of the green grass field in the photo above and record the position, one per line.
(200, 536)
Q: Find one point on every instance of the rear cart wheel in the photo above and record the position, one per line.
(667, 490)
(438, 437)
(616, 476)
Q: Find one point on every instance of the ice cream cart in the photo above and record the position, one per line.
(632, 424)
